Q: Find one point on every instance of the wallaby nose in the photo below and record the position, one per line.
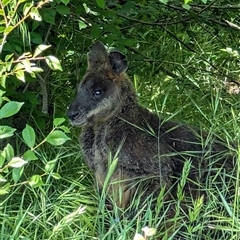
(72, 115)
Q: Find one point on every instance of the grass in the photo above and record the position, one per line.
(71, 208)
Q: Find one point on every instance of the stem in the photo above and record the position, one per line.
(25, 182)
(43, 81)
(43, 141)
(43, 86)
(158, 23)
(30, 59)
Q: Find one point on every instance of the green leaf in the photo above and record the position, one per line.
(82, 24)
(35, 25)
(18, 48)
(53, 63)
(17, 173)
(17, 162)
(2, 29)
(11, 13)
(50, 166)
(63, 10)
(8, 152)
(40, 48)
(34, 14)
(29, 136)
(138, 237)
(149, 232)
(95, 31)
(27, 65)
(186, 6)
(65, 1)
(18, 67)
(56, 176)
(65, 129)
(5, 189)
(2, 179)
(20, 75)
(36, 181)
(164, 1)
(5, 170)
(27, 8)
(8, 57)
(8, 29)
(36, 69)
(57, 138)
(2, 159)
(36, 38)
(2, 92)
(58, 121)
(29, 155)
(101, 3)
(6, 131)
(10, 108)
(6, 2)
(49, 15)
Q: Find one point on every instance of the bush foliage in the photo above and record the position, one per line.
(184, 63)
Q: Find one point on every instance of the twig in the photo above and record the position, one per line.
(30, 59)
(146, 59)
(162, 23)
(199, 9)
(207, 7)
(225, 7)
(43, 86)
(43, 82)
(210, 33)
(233, 25)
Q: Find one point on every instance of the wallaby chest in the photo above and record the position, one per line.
(95, 147)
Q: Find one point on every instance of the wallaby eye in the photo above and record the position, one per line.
(97, 93)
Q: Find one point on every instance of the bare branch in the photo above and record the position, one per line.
(43, 86)
(158, 23)
(232, 25)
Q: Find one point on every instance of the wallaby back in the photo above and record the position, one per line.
(150, 150)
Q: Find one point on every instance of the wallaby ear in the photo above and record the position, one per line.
(97, 55)
(118, 62)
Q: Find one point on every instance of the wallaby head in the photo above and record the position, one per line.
(99, 93)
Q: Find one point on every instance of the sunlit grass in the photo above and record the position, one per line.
(72, 208)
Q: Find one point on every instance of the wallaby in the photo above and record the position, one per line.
(148, 149)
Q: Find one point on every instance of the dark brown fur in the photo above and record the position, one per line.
(148, 148)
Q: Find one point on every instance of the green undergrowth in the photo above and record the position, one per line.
(54, 196)
(69, 207)
(187, 72)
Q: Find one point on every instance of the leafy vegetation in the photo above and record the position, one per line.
(184, 63)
